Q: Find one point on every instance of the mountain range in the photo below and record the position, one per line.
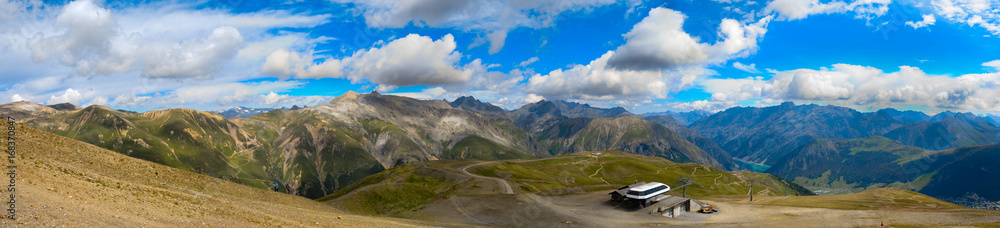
(318, 150)
(562, 127)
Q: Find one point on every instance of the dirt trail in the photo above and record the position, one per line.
(599, 171)
(504, 186)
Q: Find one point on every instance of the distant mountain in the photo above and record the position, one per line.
(848, 164)
(905, 117)
(942, 115)
(472, 104)
(628, 134)
(64, 106)
(25, 110)
(852, 165)
(765, 135)
(953, 131)
(426, 128)
(706, 144)
(994, 119)
(539, 115)
(536, 116)
(577, 110)
(242, 112)
(682, 118)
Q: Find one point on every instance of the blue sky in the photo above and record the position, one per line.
(645, 56)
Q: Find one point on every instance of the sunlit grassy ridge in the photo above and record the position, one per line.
(384, 193)
(614, 169)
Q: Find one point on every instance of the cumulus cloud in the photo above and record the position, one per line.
(658, 58)
(928, 20)
(597, 81)
(193, 58)
(284, 63)
(493, 18)
(407, 61)
(799, 9)
(659, 42)
(532, 98)
(138, 56)
(752, 68)
(99, 100)
(16, 98)
(71, 96)
(88, 30)
(412, 60)
(971, 12)
(164, 42)
(866, 87)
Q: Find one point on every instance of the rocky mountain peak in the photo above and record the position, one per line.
(349, 95)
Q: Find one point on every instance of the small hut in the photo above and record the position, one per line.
(618, 196)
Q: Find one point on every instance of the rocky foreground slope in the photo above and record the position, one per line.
(65, 182)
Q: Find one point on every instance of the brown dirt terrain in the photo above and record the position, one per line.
(64, 182)
(594, 210)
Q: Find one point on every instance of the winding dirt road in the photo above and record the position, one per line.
(504, 186)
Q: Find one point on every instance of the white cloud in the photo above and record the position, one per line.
(659, 42)
(407, 61)
(284, 63)
(800, 9)
(130, 101)
(100, 100)
(272, 98)
(658, 59)
(411, 60)
(71, 96)
(428, 93)
(752, 68)
(980, 13)
(528, 62)
(928, 20)
(158, 40)
(597, 81)
(141, 53)
(532, 98)
(995, 64)
(494, 18)
(866, 87)
(192, 58)
(86, 40)
(16, 98)
(704, 105)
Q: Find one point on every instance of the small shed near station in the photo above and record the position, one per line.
(674, 205)
(618, 196)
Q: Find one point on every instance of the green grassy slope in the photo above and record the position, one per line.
(383, 193)
(615, 169)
